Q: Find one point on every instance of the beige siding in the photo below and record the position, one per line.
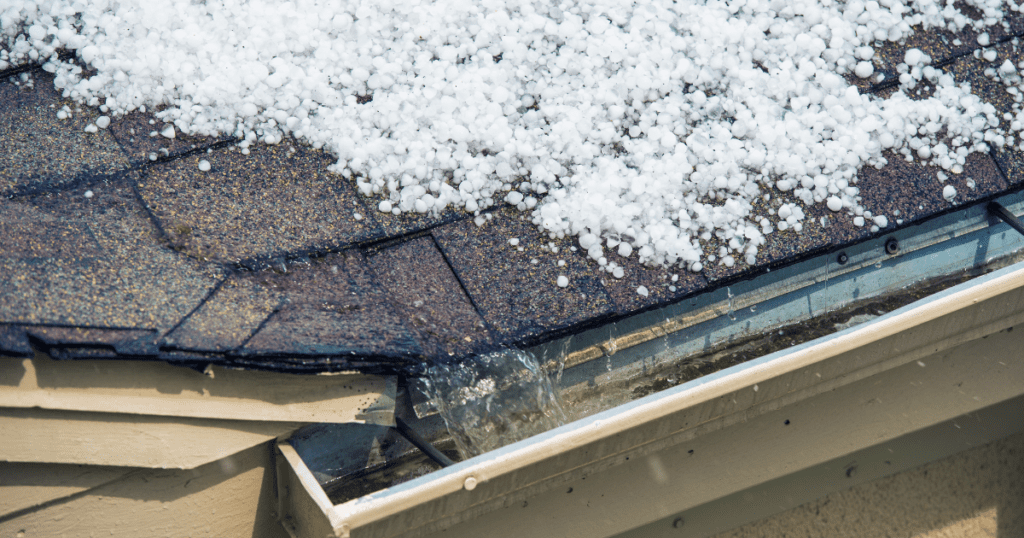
(232, 497)
(47, 436)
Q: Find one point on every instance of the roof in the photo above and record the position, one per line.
(116, 245)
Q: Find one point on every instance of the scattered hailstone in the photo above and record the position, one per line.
(91, 128)
(204, 165)
(563, 281)
(949, 192)
(864, 69)
(657, 125)
(642, 290)
(103, 122)
(88, 194)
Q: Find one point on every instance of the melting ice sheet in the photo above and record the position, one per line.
(494, 400)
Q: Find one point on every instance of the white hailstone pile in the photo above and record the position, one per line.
(643, 127)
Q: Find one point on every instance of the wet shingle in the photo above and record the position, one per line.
(333, 309)
(270, 203)
(626, 293)
(14, 342)
(411, 222)
(93, 343)
(140, 136)
(428, 297)
(31, 233)
(518, 298)
(123, 277)
(38, 151)
(227, 319)
(906, 192)
(971, 69)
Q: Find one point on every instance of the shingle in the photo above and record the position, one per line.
(269, 203)
(411, 222)
(625, 293)
(225, 320)
(332, 308)
(914, 191)
(136, 135)
(31, 233)
(123, 277)
(781, 246)
(39, 151)
(428, 297)
(14, 342)
(971, 70)
(86, 342)
(519, 299)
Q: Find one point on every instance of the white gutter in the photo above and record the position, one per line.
(479, 493)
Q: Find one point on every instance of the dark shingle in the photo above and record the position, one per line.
(272, 202)
(136, 135)
(93, 343)
(227, 319)
(428, 297)
(14, 342)
(518, 298)
(331, 308)
(39, 151)
(112, 271)
(972, 71)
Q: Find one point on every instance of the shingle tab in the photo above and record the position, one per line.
(113, 272)
(14, 342)
(143, 142)
(272, 202)
(38, 151)
(518, 298)
(227, 319)
(971, 70)
(428, 297)
(93, 343)
(333, 309)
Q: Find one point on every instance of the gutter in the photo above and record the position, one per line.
(932, 362)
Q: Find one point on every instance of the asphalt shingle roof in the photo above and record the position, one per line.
(269, 260)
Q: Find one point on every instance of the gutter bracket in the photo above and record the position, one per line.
(997, 209)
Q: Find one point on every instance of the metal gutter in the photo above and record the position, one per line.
(616, 446)
(942, 246)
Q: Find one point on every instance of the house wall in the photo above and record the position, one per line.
(233, 496)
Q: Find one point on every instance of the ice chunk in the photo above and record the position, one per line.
(834, 203)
